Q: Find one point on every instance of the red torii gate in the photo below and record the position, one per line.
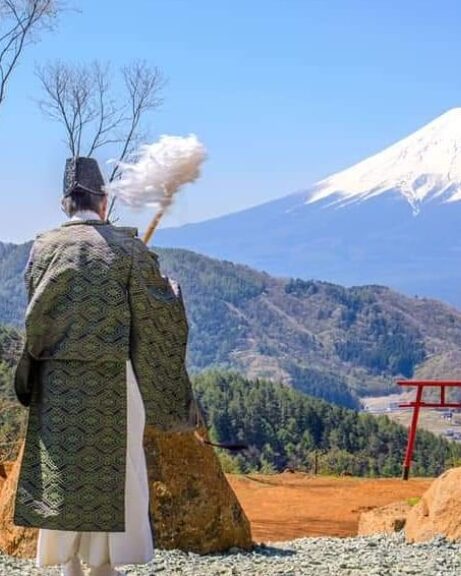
(417, 404)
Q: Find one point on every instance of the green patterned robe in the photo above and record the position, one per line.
(96, 299)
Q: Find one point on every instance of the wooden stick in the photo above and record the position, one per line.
(146, 239)
(153, 225)
(166, 202)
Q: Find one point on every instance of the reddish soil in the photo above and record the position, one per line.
(294, 505)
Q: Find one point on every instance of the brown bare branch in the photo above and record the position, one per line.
(144, 85)
(58, 104)
(110, 116)
(83, 99)
(21, 21)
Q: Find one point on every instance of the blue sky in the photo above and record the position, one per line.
(282, 92)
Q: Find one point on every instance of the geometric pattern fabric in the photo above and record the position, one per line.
(96, 299)
(73, 470)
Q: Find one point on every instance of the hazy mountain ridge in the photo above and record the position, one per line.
(321, 338)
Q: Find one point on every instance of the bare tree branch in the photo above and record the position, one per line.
(83, 99)
(144, 85)
(109, 115)
(56, 82)
(20, 23)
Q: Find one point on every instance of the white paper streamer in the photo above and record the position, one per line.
(161, 169)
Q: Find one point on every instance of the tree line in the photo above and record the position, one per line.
(288, 429)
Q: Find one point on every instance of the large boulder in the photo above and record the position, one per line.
(193, 506)
(439, 510)
(384, 520)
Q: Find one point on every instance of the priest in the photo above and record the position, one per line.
(104, 355)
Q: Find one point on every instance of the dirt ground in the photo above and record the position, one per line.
(293, 505)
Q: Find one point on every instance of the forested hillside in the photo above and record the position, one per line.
(314, 335)
(325, 340)
(12, 415)
(286, 428)
(13, 259)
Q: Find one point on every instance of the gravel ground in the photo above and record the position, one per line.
(372, 556)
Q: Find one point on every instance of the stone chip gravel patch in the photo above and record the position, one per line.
(367, 556)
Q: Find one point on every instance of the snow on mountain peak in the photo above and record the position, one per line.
(422, 166)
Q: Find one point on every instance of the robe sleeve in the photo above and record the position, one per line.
(158, 342)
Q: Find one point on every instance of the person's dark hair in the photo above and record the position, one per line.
(81, 200)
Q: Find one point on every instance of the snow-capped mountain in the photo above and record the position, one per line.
(392, 219)
(424, 166)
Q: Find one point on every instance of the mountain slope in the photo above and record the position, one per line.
(392, 219)
(320, 338)
(13, 260)
(422, 167)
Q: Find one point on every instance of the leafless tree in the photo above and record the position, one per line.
(20, 23)
(84, 99)
(94, 114)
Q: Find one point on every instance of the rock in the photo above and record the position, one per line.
(193, 507)
(384, 520)
(438, 513)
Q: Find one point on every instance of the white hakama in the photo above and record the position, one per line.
(134, 546)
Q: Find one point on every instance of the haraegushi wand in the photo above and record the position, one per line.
(153, 180)
(158, 174)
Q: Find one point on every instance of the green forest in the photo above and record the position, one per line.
(287, 429)
(12, 415)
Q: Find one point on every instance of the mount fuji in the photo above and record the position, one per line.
(392, 219)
